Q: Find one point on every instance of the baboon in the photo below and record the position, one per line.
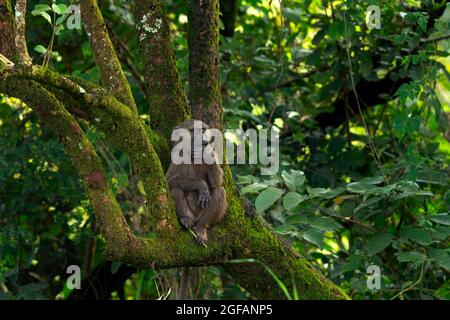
(200, 199)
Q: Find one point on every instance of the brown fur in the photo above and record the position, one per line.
(200, 199)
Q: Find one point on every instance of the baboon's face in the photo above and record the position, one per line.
(199, 134)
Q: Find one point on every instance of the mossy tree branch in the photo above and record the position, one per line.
(124, 127)
(204, 75)
(20, 39)
(252, 239)
(167, 100)
(169, 245)
(7, 34)
(236, 237)
(111, 72)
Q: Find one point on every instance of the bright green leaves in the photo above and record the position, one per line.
(293, 179)
(42, 10)
(267, 198)
(60, 8)
(55, 15)
(40, 48)
(292, 200)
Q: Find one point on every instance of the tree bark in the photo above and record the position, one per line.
(7, 34)
(237, 236)
(20, 39)
(204, 75)
(167, 100)
(111, 72)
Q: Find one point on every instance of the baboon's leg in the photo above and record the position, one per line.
(184, 213)
(210, 215)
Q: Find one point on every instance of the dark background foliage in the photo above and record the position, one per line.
(362, 181)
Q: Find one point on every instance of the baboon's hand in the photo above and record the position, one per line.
(187, 221)
(203, 198)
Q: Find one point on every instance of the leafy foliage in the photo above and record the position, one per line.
(365, 184)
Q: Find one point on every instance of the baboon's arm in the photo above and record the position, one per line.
(215, 176)
(187, 183)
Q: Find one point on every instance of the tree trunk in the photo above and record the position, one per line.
(238, 236)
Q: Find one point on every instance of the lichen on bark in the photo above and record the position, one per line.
(166, 97)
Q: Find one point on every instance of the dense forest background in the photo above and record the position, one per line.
(363, 116)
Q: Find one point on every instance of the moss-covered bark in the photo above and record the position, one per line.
(21, 43)
(111, 72)
(168, 104)
(7, 42)
(124, 128)
(243, 237)
(236, 237)
(204, 75)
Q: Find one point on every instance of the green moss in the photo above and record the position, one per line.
(236, 237)
(111, 72)
(7, 26)
(166, 97)
(204, 75)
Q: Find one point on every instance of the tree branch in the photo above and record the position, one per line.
(111, 72)
(168, 103)
(7, 43)
(20, 39)
(204, 75)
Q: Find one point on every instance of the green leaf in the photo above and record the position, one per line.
(40, 48)
(314, 236)
(56, 8)
(267, 198)
(442, 257)
(378, 243)
(324, 224)
(360, 187)
(286, 229)
(47, 17)
(294, 179)
(292, 199)
(441, 233)
(39, 8)
(410, 257)
(442, 218)
(373, 180)
(59, 21)
(316, 192)
(329, 194)
(59, 8)
(367, 203)
(299, 218)
(422, 22)
(418, 235)
(254, 188)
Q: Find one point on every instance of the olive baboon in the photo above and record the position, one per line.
(196, 188)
